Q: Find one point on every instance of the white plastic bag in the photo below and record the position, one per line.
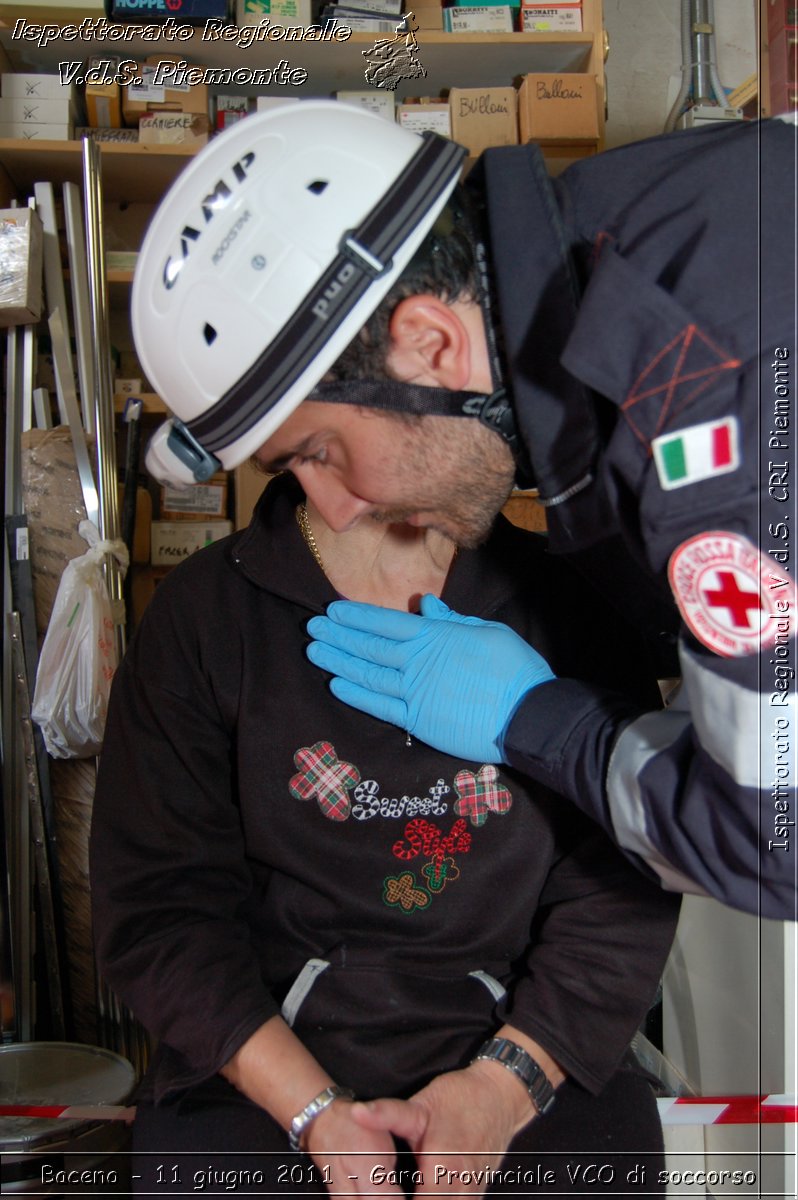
(79, 655)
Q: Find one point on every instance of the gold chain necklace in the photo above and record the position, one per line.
(303, 521)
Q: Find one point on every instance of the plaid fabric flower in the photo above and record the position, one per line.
(479, 794)
(401, 891)
(322, 775)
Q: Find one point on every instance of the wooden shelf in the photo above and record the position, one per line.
(150, 403)
(483, 59)
(131, 172)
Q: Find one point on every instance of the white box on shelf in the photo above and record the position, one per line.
(36, 112)
(38, 87)
(27, 131)
(373, 100)
(172, 541)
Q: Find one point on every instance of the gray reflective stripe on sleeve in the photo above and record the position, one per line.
(730, 720)
(299, 989)
(496, 989)
(640, 742)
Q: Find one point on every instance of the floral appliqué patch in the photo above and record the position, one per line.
(330, 780)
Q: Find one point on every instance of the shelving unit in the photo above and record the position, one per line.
(135, 174)
(466, 60)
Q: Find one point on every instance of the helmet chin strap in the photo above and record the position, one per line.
(495, 411)
(391, 395)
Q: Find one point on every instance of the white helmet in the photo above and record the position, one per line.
(263, 261)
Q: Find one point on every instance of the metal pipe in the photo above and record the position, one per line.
(103, 386)
(703, 92)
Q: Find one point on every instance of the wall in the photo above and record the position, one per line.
(643, 68)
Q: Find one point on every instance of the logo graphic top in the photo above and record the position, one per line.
(392, 59)
(727, 591)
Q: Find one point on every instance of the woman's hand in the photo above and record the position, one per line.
(459, 1126)
(346, 1153)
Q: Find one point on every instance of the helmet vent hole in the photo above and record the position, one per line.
(318, 186)
(209, 333)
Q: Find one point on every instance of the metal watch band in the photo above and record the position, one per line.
(317, 1105)
(522, 1064)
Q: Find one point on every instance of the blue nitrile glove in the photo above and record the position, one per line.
(452, 681)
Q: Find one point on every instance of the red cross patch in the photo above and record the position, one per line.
(478, 795)
(322, 775)
(728, 592)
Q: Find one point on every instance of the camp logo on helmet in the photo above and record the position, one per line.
(210, 205)
(331, 296)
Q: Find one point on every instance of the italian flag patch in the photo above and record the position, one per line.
(696, 453)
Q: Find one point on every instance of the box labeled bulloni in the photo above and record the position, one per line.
(558, 108)
(20, 266)
(483, 117)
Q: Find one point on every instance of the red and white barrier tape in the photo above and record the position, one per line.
(728, 1110)
(673, 1110)
(70, 1112)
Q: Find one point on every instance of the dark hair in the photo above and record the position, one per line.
(444, 265)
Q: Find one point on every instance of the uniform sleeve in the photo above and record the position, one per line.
(169, 874)
(599, 944)
(677, 789)
(697, 360)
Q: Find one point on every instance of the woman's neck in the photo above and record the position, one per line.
(389, 565)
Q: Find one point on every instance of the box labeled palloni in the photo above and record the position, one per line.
(483, 117)
(558, 108)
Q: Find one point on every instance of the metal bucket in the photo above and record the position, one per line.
(62, 1156)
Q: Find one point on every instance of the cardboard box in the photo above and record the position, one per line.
(163, 89)
(198, 502)
(174, 129)
(558, 108)
(419, 117)
(27, 131)
(279, 12)
(172, 541)
(188, 12)
(102, 93)
(539, 18)
(248, 483)
(16, 110)
(106, 135)
(428, 16)
(39, 87)
(379, 102)
(489, 18)
(483, 117)
(20, 266)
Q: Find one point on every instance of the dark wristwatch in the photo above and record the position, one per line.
(516, 1059)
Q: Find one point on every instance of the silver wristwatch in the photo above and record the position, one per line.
(317, 1105)
(516, 1059)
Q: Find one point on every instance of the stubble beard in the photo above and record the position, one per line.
(473, 473)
